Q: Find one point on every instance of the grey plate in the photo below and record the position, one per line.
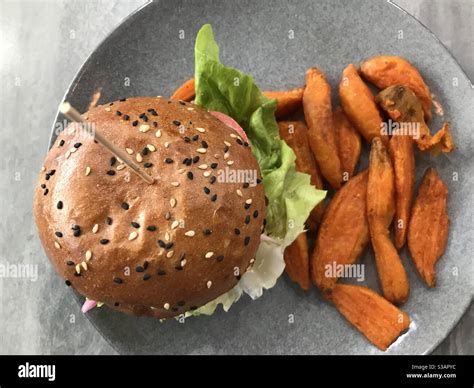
(147, 51)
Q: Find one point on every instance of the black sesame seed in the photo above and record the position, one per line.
(108, 221)
(59, 205)
(47, 177)
(168, 160)
(195, 137)
(212, 180)
(77, 233)
(118, 113)
(125, 206)
(113, 160)
(145, 264)
(116, 304)
(135, 123)
(182, 102)
(161, 272)
(246, 206)
(61, 143)
(162, 244)
(247, 219)
(196, 159)
(181, 303)
(220, 258)
(226, 148)
(77, 145)
(177, 123)
(139, 268)
(246, 144)
(148, 165)
(111, 103)
(45, 192)
(214, 197)
(255, 214)
(246, 185)
(58, 234)
(239, 141)
(187, 139)
(237, 231)
(145, 151)
(104, 241)
(246, 240)
(146, 276)
(51, 172)
(70, 263)
(189, 162)
(238, 277)
(151, 228)
(68, 283)
(126, 117)
(259, 181)
(185, 160)
(213, 165)
(206, 190)
(169, 245)
(207, 232)
(43, 186)
(155, 124)
(118, 281)
(190, 175)
(141, 115)
(135, 224)
(204, 144)
(111, 172)
(123, 99)
(153, 112)
(75, 227)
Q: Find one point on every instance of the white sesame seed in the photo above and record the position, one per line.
(233, 135)
(175, 184)
(201, 150)
(78, 268)
(95, 228)
(68, 154)
(167, 236)
(158, 133)
(107, 109)
(43, 168)
(230, 162)
(248, 201)
(132, 236)
(166, 306)
(120, 167)
(173, 202)
(88, 255)
(84, 265)
(202, 166)
(239, 193)
(226, 155)
(139, 158)
(144, 128)
(129, 151)
(159, 96)
(190, 233)
(207, 174)
(119, 160)
(208, 255)
(181, 170)
(100, 304)
(151, 147)
(168, 215)
(227, 143)
(72, 150)
(209, 284)
(190, 108)
(167, 144)
(217, 156)
(88, 170)
(57, 245)
(170, 254)
(202, 130)
(174, 224)
(252, 261)
(183, 262)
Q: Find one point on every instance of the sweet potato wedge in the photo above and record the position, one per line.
(343, 233)
(376, 318)
(348, 143)
(288, 101)
(295, 133)
(385, 70)
(403, 159)
(185, 92)
(359, 105)
(297, 262)
(428, 228)
(318, 115)
(380, 212)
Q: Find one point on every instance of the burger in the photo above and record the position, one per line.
(224, 204)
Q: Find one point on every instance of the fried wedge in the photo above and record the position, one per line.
(343, 234)
(288, 101)
(376, 318)
(403, 159)
(380, 212)
(359, 105)
(428, 228)
(318, 115)
(297, 262)
(185, 92)
(403, 106)
(348, 143)
(384, 71)
(295, 133)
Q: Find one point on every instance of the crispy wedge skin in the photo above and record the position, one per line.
(384, 71)
(380, 212)
(297, 262)
(376, 318)
(295, 133)
(288, 101)
(318, 115)
(402, 105)
(403, 159)
(185, 92)
(359, 105)
(344, 232)
(428, 228)
(348, 143)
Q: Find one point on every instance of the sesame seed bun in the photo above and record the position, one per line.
(160, 249)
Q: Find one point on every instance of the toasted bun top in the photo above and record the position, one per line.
(160, 249)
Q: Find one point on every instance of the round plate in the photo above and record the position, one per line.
(151, 53)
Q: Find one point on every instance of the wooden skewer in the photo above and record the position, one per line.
(72, 114)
